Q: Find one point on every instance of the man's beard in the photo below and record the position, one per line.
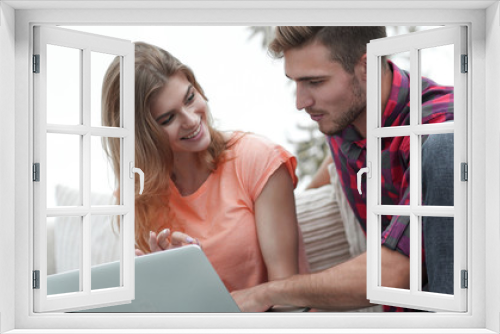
(358, 105)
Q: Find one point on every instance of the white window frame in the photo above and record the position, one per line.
(86, 44)
(414, 297)
(484, 317)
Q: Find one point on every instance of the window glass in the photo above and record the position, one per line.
(99, 64)
(63, 170)
(394, 168)
(64, 232)
(106, 244)
(401, 222)
(388, 117)
(437, 169)
(63, 85)
(439, 234)
(104, 185)
(436, 64)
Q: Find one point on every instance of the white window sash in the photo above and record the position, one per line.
(414, 297)
(86, 298)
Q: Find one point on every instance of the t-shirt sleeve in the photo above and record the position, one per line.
(257, 160)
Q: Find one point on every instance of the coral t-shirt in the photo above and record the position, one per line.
(221, 212)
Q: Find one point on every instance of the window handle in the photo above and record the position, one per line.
(133, 170)
(366, 170)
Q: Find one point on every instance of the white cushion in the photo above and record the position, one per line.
(330, 230)
(105, 239)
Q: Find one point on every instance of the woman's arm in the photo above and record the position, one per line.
(277, 227)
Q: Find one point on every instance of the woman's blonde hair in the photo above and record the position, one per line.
(153, 69)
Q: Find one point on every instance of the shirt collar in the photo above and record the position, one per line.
(398, 98)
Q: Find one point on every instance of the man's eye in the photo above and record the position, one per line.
(315, 82)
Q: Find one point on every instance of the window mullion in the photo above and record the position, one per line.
(85, 273)
(415, 248)
(86, 167)
(421, 211)
(127, 102)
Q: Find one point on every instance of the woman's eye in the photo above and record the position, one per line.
(190, 98)
(167, 120)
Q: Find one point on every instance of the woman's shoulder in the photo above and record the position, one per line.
(249, 141)
(255, 158)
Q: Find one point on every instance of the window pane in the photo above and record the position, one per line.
(397, 242)
(103, 181)
(437, 65)
(63, 170)
(389, 117)
(395, 172)
(439, 245)
(63, 85)
(106, 245)
(64, 245)
(100, 63)
(437, 169)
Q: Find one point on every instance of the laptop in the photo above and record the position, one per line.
(176, 280)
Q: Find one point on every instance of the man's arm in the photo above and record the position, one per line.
(340, 288)
(322, 176)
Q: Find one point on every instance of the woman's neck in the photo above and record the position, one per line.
(189, 173)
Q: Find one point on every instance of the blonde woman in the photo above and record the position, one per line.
(230, 192)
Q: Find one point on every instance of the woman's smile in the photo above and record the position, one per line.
(194, 135)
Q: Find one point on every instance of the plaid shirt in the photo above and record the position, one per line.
(349, 154)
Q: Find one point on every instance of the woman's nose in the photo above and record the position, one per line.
(190, 118)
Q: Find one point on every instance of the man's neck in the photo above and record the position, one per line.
(386, 85)
(360, 122)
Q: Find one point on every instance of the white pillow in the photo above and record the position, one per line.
(330, 231)
(320, 221)
(105, 241)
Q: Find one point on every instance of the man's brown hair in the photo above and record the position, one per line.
(346, 44)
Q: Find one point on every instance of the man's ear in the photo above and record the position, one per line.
(363, 63)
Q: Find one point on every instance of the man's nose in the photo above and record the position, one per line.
(304, 98)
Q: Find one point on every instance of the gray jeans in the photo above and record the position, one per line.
(437, 189)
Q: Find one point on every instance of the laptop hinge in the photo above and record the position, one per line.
(36, 279)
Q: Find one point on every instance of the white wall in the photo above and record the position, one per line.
(7, 159)
(492, 164)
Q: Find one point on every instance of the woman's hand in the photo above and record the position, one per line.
(166, 240)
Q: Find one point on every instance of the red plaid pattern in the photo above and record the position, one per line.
(349, 154)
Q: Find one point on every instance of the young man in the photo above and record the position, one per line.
(329, 67)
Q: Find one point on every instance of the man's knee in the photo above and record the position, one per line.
(438, 169)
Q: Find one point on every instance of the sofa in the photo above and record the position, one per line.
(329, 229)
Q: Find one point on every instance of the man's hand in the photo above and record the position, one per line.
(252, 299)
(339, 288)
(164, 241)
